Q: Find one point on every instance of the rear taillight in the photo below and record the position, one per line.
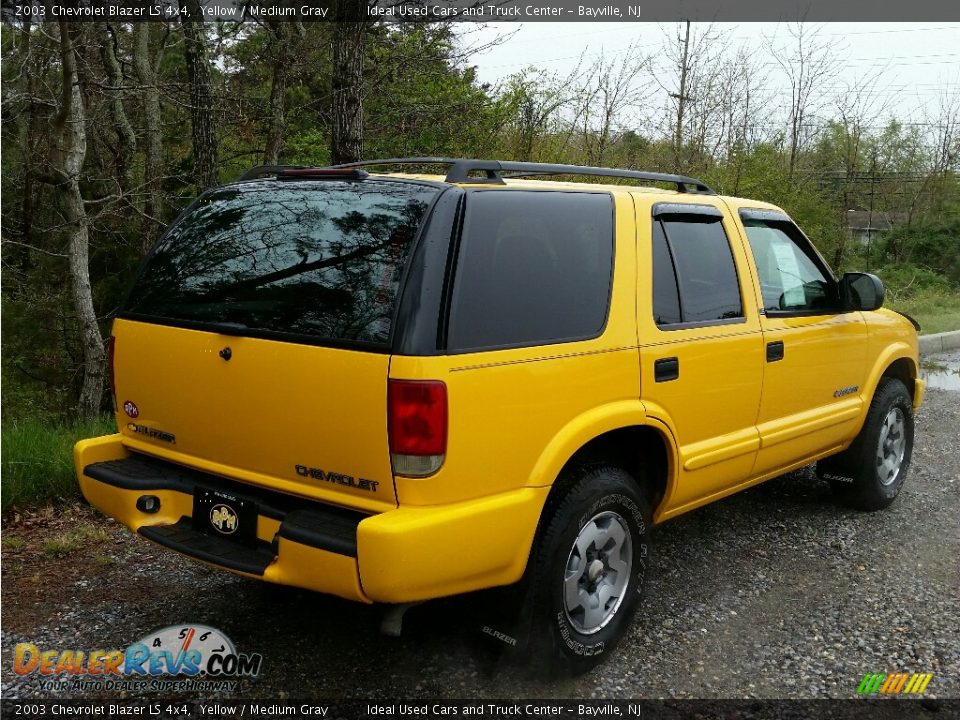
(417, 425)
(111, 343)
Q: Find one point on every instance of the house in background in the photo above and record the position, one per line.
(865, 226)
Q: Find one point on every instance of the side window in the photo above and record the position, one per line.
(534, 268)
(666, 296)
(695, 279)
(790, 280)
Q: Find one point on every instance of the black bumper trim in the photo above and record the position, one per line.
(302, 521)
(186, 539)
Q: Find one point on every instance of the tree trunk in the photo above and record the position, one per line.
(20, 256)
(283, 40)
(68, 152)
(126, 139)
(201, 99)
(681, 102)
(153, 148)
(346, 136)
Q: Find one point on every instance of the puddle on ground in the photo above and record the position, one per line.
(942, 375)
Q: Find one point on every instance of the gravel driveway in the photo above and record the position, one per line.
(775, 592)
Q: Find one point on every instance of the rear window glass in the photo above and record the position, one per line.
(321, 260)
(534, 268)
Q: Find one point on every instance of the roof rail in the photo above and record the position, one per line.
(463, 171)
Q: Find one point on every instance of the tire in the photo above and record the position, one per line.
(587, 572)
(870, 473)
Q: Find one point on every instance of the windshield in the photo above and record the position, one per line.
(321, 260)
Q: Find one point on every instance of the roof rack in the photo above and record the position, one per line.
(464, 171)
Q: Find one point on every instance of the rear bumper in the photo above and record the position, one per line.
(402, 555)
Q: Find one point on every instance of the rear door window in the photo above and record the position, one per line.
(695, 278)
(316, 261)
(534, 267)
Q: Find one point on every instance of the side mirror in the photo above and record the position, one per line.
(861, 291)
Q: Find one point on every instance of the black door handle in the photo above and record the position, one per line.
(666, 369)
(775, 351)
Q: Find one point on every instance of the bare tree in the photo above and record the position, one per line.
(691, 88)
(742, 111)
(808, 64)
(857, 104)
(612, 87)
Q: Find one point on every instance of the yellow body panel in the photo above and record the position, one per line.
(516, 417)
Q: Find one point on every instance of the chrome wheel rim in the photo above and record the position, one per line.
(892, 446)
(597, 572)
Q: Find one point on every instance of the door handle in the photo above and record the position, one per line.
(775, 351)
(666, 369)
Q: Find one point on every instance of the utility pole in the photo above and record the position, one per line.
(873, 181)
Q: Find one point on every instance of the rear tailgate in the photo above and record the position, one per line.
(297, 418)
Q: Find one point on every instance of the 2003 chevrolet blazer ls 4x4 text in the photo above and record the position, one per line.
(393, 387)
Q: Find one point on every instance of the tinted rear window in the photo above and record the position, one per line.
(534, 268)
(321, 260)
(705, 273)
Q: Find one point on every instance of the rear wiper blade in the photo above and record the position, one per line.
(227, 328)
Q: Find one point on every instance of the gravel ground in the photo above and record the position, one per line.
(773, 593)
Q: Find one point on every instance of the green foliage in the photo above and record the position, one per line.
(422, 103)
(37, 460)
(904, 282)
(934, 244)
(309, 147)
(925, 295)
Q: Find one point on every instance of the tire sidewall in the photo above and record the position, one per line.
(895, 395)
(618, 496)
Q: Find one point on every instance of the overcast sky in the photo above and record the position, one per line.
(916, 62)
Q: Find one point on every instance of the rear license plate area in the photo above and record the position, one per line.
(224, 515)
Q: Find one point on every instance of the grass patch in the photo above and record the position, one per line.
(936, 312)
(76, 539)
(37, 460)
(13, 543)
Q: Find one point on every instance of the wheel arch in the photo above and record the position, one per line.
(898, 360)
(903, 369)
(623, 436)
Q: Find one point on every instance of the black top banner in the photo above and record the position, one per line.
(586, 11)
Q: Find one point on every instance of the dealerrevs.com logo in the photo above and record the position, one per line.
(179, 657)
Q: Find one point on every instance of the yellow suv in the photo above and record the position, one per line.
(393, 387)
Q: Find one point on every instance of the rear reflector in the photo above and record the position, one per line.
(417, 426)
